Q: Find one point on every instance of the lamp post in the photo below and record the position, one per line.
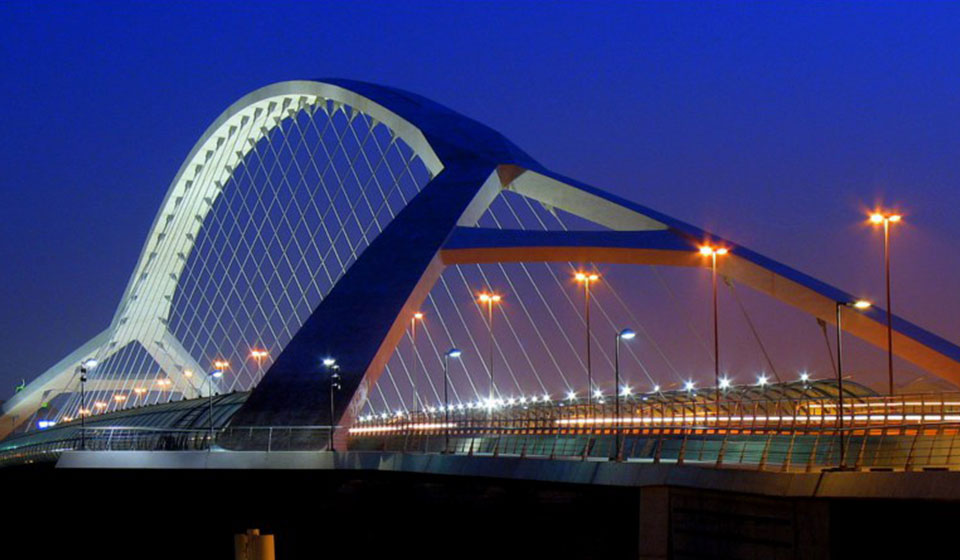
(489, 300)
(334, 386)
(886, 219)
(859, 304)
(85, 368)
(451, 353)
(625, 334)
(418, 316)
(217, 373)
(713, 253)
(586, 279)
(219, 366)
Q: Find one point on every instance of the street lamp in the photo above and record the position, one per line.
(85, 367)
(886, 219)
(418, 316)
(217, 373)
(713, 253)
(625, 334)
(451, 353)
(335, 385)
(259, 356)
(859, 304)
(586, 279)
(489, 300)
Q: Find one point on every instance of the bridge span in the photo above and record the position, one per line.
(348, 279)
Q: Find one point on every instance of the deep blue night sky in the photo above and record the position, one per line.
(776, 126)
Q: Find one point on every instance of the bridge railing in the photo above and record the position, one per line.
(136, 438)
(904, 432)
(894, 447)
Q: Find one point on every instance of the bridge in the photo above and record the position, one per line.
(341, 266)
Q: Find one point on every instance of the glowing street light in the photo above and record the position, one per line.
(85, 367)
(724, 382)
(334, 370)
(217, 373)
(713, 253)
(763, 380)
(587, 278)
(625, 334)
(689, 385)
(259, 356)
(418, 316)
(886, 219)
(489, 299)
(861, 305)
(451, 353)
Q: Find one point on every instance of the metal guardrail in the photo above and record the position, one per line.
(904, 432)
(124, 438)
(894, 447)
(903, 447)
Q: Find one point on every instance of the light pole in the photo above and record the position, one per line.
(219, 366)
(886, 219)
(217, 373)
(418, 316)
(335, 385)
(85, 368)
(713, 253)
(859, 304)
(625, 334)
(451, 353)
(489, 300)
(586, 279)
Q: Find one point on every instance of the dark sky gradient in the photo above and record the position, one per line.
(774, 125)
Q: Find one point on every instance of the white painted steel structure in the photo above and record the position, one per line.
(145, 312)
(288, 187)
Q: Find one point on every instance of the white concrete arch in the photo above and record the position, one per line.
(146, 302)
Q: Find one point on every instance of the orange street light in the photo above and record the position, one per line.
(887, 218)
(259, 356)
(489, 299)
(587, 278)
(858, 304)
(713, 253)
(417, 316)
